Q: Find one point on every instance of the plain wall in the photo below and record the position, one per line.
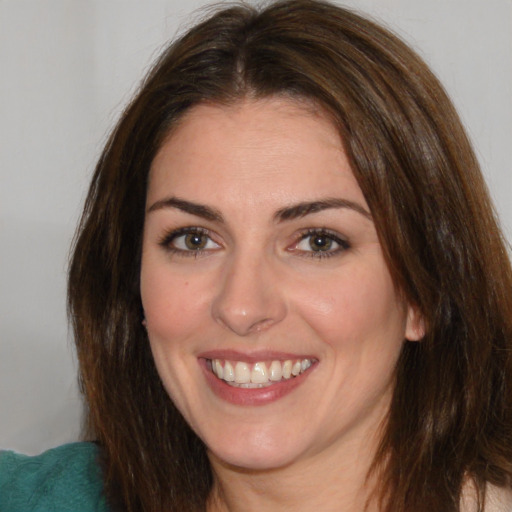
(66, 70)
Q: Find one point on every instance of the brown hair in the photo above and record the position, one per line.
(451, 413)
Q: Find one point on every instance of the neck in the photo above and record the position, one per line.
(300, 486)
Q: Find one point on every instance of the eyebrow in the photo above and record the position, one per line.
(306, 208)
(199, 210)
(287, 213)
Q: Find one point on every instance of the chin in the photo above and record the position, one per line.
(256, 451)
(251, 461)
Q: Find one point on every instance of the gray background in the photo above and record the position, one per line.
(67, 67)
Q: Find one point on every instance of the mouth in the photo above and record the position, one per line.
(260, 374)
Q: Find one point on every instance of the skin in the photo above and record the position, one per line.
(258, 285)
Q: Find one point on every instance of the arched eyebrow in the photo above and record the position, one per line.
(306, 208)
(284, 214)
(199, 210)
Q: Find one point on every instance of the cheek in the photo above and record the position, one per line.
(171, 303)
(358, 304)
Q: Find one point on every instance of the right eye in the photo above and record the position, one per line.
(189, 241)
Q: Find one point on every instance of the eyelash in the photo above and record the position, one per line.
(166, 241)
(330, 235)
(169, 238)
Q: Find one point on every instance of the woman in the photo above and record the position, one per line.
(288, 288)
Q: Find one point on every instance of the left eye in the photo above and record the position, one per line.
(321, 242)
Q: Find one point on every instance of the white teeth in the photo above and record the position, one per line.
(275, 371)
(218, 369)
(287, 369)
(242, 373)
(229, 374)
(305, 364)
(257, 375)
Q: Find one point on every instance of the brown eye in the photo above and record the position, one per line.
(195, 241)
(320, 242)
(191, 241)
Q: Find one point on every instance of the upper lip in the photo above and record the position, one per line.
(252, 357)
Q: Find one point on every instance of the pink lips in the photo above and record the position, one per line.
(250, 396)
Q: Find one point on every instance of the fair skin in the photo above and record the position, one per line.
(260, 254)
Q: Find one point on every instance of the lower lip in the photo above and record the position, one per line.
(252, 396)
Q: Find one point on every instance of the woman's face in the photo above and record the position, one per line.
(272, 317)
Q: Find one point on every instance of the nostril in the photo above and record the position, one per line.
(242, 324)
(261, 325)
(244, 303)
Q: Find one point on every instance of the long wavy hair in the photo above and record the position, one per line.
(450, 419)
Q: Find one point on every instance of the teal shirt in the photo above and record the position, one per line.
(66, 478)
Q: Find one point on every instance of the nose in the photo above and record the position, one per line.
(250, 299)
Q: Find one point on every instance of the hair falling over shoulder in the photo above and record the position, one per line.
(450, 420)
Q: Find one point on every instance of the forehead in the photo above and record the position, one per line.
(255, 149)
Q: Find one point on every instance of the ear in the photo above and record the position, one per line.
(414, 324)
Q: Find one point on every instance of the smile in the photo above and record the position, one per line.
(260, 374)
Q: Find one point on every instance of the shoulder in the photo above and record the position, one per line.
(499, 499)
(64, 478)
